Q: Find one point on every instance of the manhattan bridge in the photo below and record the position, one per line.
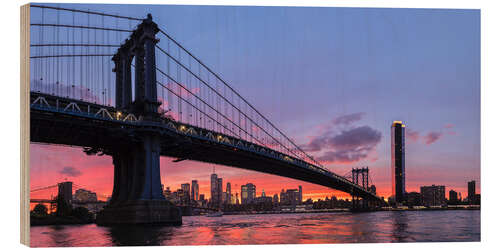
(122, 86)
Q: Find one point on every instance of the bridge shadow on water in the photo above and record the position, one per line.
(134, 235)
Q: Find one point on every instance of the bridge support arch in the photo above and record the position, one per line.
(137, 195)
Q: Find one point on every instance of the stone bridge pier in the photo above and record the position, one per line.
(137, 195)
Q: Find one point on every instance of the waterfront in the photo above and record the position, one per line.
(344, 227)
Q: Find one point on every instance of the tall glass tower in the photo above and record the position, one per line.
(398, 160)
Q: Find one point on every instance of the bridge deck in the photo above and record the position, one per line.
(56, 120)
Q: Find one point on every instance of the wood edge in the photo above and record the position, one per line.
(25, 127)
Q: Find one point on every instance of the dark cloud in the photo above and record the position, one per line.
(70, 171)
(347, 146)
(432, 137)
(315, 145)
(348, 119)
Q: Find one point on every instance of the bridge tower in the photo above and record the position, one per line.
(356, 172)
(137, 195)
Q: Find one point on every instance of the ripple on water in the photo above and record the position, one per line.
(410, 226)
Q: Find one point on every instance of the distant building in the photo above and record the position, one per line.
(219, 192)
(414, 199)
(282, 196)
(398, 161)
(83, 196)
(201, 200)
(291, 197)
(263, 199)
(247, 193)
(433, 195)
(453, 197)
(167, 193)
(185, 187)
(300, 194)
(477, 200)
(213, 189)
(195, 190)
(471, 194)
(275, 199)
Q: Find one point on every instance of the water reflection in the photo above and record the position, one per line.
(408, 226)
(400, 226)
(139, 235)
(60, 236)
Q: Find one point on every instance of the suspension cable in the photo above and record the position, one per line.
(222, 97)
(218, 77)
(73, 45)
(69, 55)
(78, 27)
(83, 11)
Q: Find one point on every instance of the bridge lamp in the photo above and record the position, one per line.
(118, 114)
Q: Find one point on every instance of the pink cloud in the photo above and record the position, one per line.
(449, 125)
(432, 137)
(413, 135)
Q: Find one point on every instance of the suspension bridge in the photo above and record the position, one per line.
(124, 87)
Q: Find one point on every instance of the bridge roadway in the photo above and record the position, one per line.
(63, 121)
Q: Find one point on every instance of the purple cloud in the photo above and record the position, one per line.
(70, 171)
(347, 146)
(348, 119)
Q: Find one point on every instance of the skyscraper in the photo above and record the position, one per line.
(195, 190)
(219, 192)
(398, 160)
(247, 193)
(300, 194)
(282, 196)
(471, 188)
(228, 192)
(453, 197)
(251, 191)
(244, 194)
(185, 193)
(213, 188)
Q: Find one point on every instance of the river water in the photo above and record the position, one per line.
(346, 227)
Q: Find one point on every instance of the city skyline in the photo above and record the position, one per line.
(185, 186)
(443, 127)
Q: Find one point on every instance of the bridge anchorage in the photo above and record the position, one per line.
(137, 195)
